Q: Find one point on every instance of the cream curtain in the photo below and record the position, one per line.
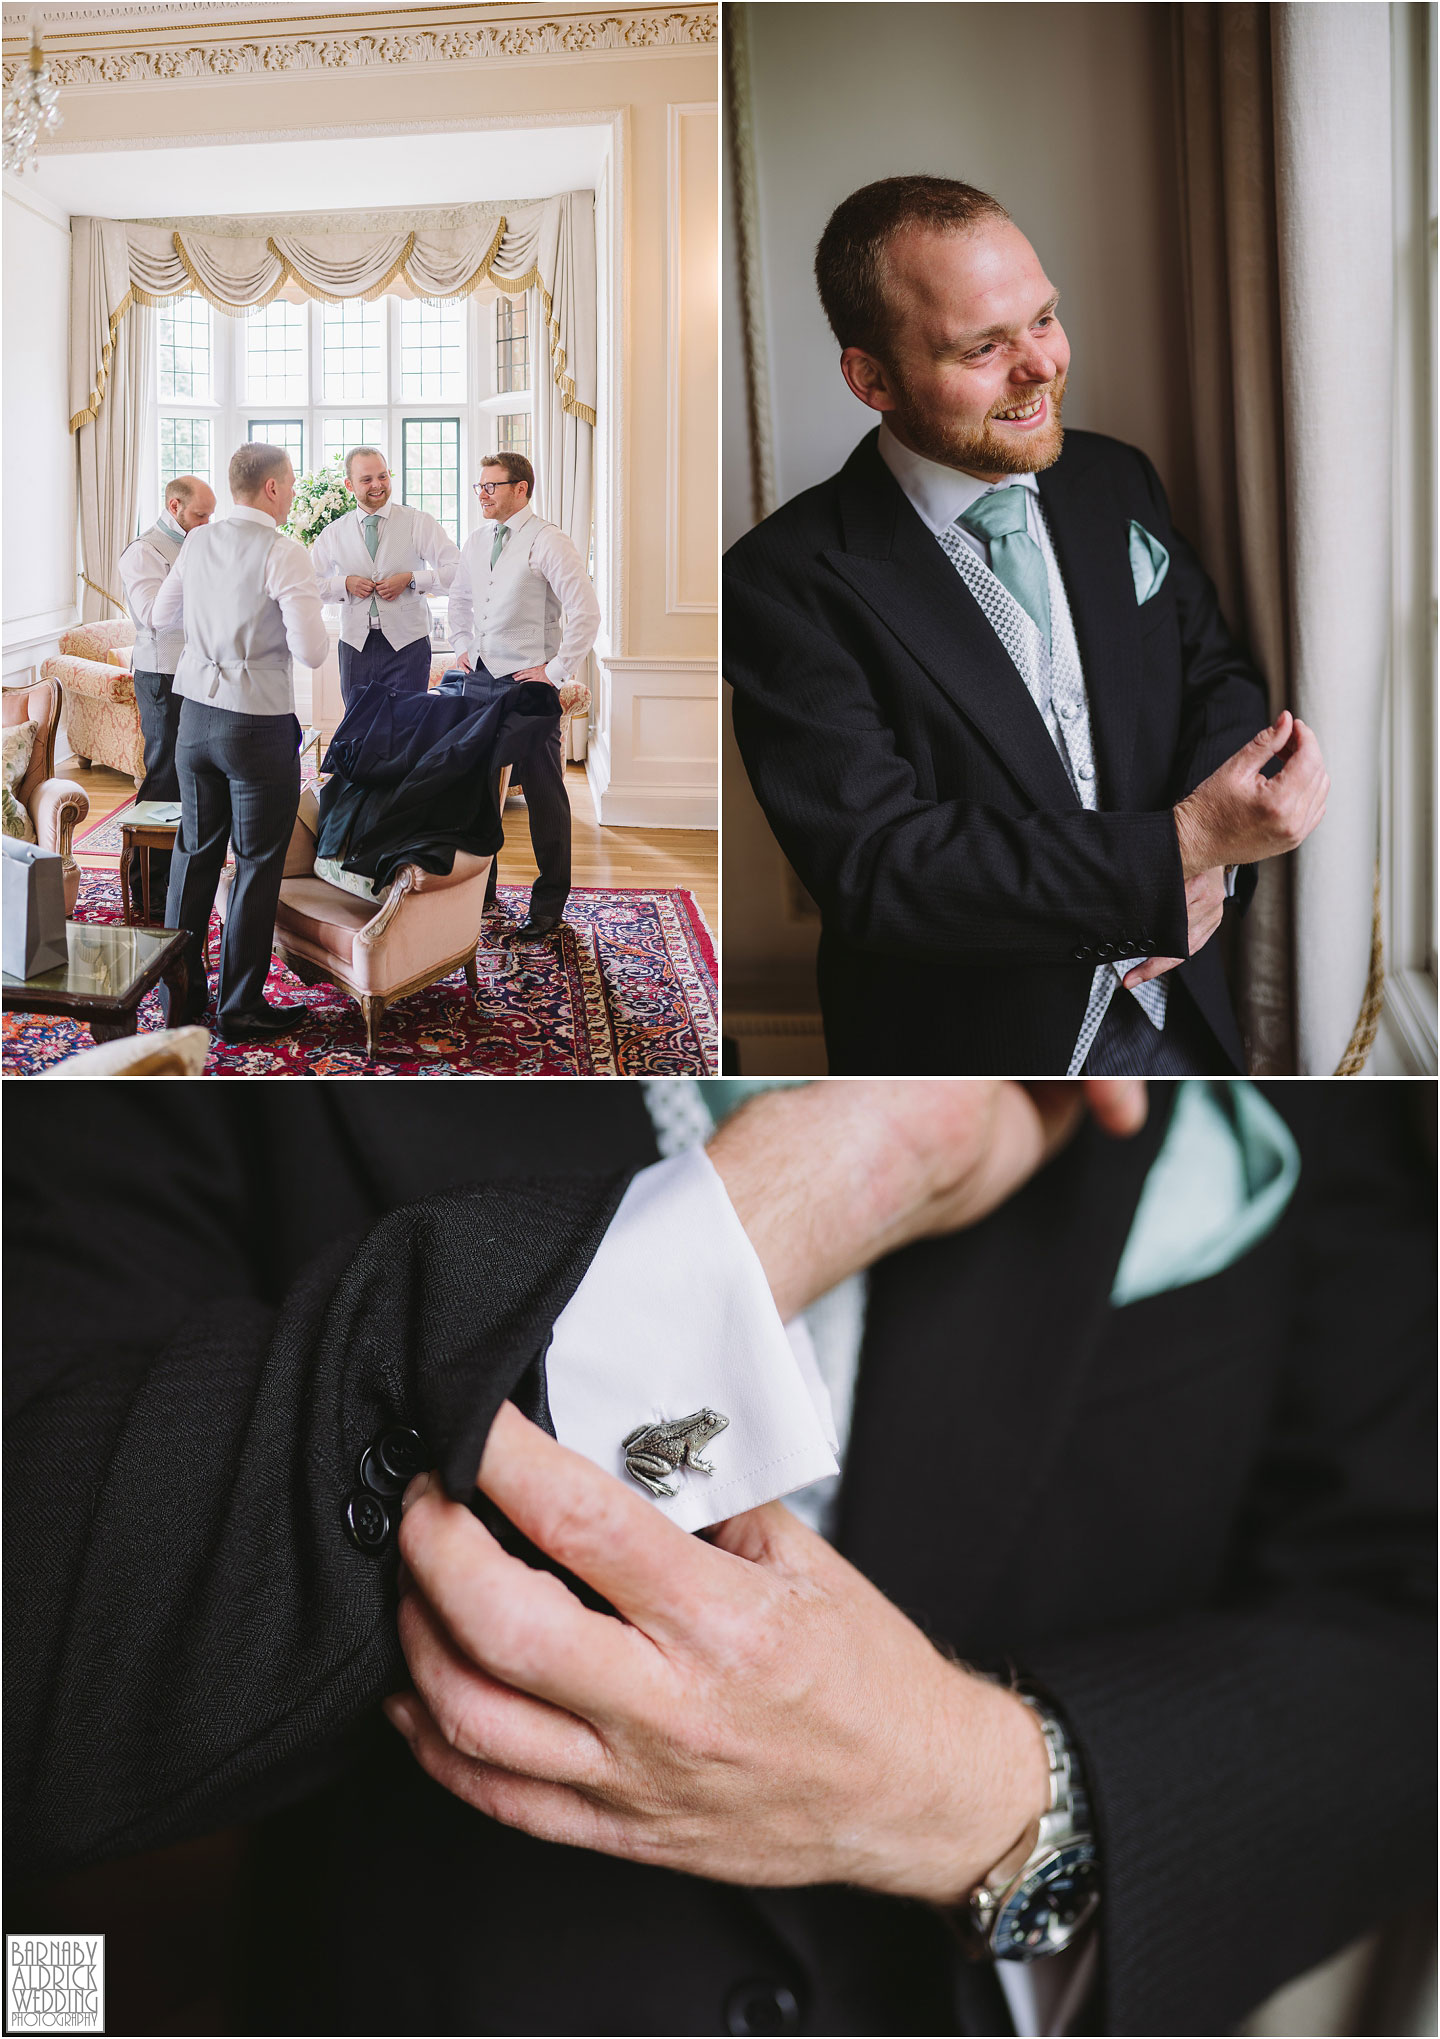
(111, 428)
(120, 270)
(1283, 126)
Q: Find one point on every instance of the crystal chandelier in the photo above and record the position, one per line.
(31, 107)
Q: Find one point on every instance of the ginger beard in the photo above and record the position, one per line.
(935, 432)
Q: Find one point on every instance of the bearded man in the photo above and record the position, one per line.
(985, 694)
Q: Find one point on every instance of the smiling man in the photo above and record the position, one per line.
(985, 694)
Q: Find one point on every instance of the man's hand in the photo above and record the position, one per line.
(357, 585)
(760, 1715)
(393, 584)
(1205, 908)
(533, 673)
(462, 659)
(1238, 816)
(828, 1177)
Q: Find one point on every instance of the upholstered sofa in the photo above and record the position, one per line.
(56, 806)
(376, 950)
(102, 722)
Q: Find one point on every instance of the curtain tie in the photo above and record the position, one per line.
(1015, 559)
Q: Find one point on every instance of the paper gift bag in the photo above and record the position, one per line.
(32, 909)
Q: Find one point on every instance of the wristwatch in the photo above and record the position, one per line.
(1024, 1913)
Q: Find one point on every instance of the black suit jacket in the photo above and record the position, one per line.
(966, 894)
(1200, 1522)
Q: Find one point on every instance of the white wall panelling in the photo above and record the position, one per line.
(653, 744)
(692, 360)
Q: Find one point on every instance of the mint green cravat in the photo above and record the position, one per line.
(372, 546)
(497, 543)
(1015, 559)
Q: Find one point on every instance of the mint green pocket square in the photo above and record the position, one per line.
(1149, 563)
(1219, 1184)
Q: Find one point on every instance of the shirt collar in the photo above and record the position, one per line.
(167, 524)
(362, 513)
(520, 517)
(939, 494)
(244, 514)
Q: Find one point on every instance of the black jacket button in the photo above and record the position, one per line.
(367, 1522)
(1082, 955)
(403, 1454)
(761, 2006)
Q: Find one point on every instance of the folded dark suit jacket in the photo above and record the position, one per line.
(966, 894)
(1202, 1522)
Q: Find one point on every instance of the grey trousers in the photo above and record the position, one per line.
(239, 783)
(159, 707)
(1127, 1044)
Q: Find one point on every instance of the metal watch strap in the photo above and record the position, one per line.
(1066, 1817)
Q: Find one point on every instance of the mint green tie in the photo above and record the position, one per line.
(497, 543)
(1015, 559)
(372, 546)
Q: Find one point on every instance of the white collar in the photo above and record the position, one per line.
(939, 494)
(244, 514)
(513, 523)
(385, 508)
(169, 526)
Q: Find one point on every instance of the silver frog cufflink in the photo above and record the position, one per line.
(659, 1448)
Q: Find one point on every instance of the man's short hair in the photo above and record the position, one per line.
(516, 466)
(850, 266)
(181, 489)
(252, 466)
(362, 453)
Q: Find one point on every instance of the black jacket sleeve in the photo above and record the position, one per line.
(897, 871)
(1262, 1767)
(190, 1630)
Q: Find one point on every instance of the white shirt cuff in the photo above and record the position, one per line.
(674, 1315)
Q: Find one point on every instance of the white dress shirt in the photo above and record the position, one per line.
(554, 558)
(289, 580)
(431, 539)
(675, 1315)
(143, 571)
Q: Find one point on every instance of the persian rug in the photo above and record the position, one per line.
(628, 989)
(99, 843)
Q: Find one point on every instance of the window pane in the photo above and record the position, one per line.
(184, 449)
(340, 434)
(432, 352)
(352, 352)
(512, 433)
(431, 469)
(512, 344)
(275, 354)
(286, 432)
(185, 348)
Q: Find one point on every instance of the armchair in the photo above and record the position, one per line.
(55, 806)
(376, 950)
(102, 721)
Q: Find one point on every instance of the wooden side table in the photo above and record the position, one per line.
(108, 971)
(150, 825)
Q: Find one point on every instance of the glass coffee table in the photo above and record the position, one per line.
(108, 972)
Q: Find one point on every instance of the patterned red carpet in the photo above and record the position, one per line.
(628, 990)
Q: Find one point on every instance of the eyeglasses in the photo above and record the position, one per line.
(488, 488)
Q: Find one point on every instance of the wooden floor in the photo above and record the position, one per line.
(657, 857)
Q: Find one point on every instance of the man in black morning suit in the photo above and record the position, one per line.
(993, 813)
(1201, 1521)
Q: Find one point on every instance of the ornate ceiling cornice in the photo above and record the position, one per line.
(557, 35)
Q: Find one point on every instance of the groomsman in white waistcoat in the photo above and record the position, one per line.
(522, 608)
(248, 602)
(380, 560)
(146, 560)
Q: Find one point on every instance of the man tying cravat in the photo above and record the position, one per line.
(144, 564)
(248, 602)
(381, 560)
(522, 608)
(985, 694)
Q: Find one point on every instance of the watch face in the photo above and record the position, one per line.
(1044, 1912)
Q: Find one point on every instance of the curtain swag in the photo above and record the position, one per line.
(548, 247)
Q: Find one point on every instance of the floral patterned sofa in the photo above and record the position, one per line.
(102, 722)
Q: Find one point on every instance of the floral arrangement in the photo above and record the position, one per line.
(319, 499)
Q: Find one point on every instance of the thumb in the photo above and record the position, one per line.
(1273, 739)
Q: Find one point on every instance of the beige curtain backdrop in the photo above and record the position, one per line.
(120, 270)
(1283, 126)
